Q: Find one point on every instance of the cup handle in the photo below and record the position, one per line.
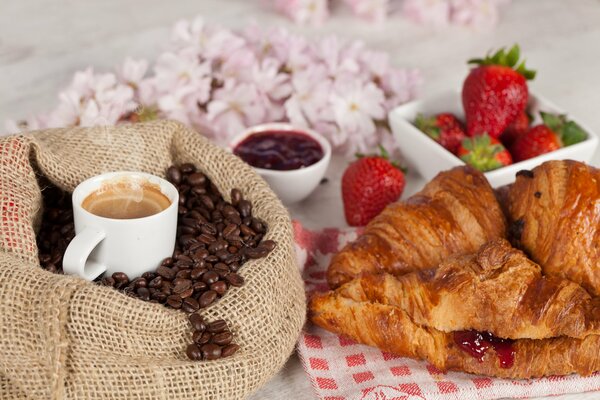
(75, 260)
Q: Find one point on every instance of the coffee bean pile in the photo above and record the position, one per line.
(214, 239)
(210, 340)
(56, 230)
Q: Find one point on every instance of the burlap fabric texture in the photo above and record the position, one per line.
(64, 338)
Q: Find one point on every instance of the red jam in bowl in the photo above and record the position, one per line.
(478, 343)
(279, 150)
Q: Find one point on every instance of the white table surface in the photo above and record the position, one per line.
(42, 42)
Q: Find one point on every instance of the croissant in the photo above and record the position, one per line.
(391, 329)
(455, 213)
(555, 218)
(497, 290)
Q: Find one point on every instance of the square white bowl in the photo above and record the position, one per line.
(429, 158)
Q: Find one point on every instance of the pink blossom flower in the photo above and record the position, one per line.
(233, 108)
(356, 106)
(479, 14)
(294, 52)
(210, 42)
(268, 78)
(371, 10)
(131, 72)
(340, 57)
(430, 12)
(182, 69)
(175, 104)
(400, 86)
(309, 102)
(221, 81)
(313, 12)
(238, 66)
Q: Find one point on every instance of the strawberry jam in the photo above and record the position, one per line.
(477, 344)
(279, 150)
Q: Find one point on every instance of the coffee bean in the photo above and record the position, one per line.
(211, 351)
(235, 279)
(220, 287)
(211, 259)
(206, 201)
(120, 277)
(156, 282)
(174, 301)
(174, 175)
(199, 287)
(200, 254)
(148, 276)
(269, 245)
(139, 282)
(207, 298)
(245, 208)
(222, 339)
(197, 322)
(247, 231)
(255, 253)
(206, 239)
(257, 226)
(229, 350)
(108, 281)
(143, 293)
(209, 229)
(217, 326)
(166, 272)
(187, 168)
(159, 296)
(231, 229)
(196, 179)
(167, 261)
(197, 273)
(199, 337)
(193, 352)
(187, 293)
(210, 277)
(184, 273)
(234, 219)
(236, 196)
(190, 305)
(181, 285)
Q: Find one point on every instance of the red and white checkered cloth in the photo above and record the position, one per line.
(341, 369)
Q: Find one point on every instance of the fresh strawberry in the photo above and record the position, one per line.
(484, 153)
(444, 128)
(495, 92)
(368, 185)
(516, 129)
(554, 133)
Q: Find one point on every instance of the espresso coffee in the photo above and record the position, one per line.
(126, 200)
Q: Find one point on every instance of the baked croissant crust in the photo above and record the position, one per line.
(497, 290)
(391, 329)
(455, 213)
(555, 218)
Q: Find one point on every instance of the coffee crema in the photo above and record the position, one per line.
(126, 200)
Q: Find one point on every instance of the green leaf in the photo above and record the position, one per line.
(476, 61)
(512, 57)
(507, 59)
(553, 121)
(572, 133)
(383, 152)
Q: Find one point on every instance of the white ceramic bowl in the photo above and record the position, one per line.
(429, 158)
(294, 185)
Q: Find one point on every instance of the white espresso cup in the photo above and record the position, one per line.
(132, 246)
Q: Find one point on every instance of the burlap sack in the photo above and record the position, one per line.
(64, 338)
